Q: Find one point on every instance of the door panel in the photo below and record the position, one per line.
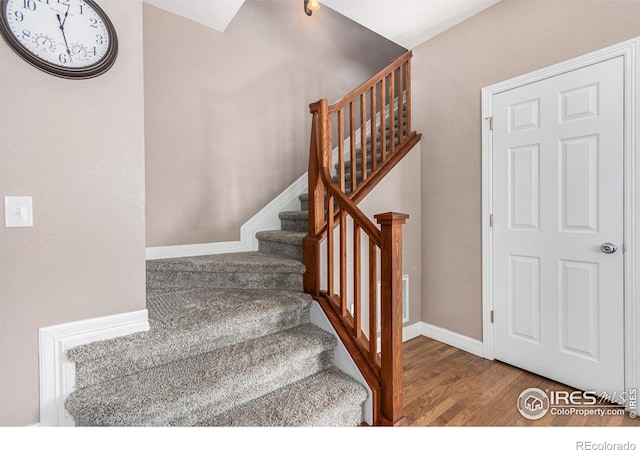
(557, 196)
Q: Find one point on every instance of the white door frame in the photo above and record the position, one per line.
(630, 51)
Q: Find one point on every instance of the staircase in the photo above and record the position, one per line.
(230, 344)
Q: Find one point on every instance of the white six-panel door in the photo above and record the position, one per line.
(557, 197)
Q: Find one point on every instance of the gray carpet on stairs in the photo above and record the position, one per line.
(329, 398)
(230, 344)
(249, 270)
(189, 323)
(185, 392)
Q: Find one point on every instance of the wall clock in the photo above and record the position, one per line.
(67, 38)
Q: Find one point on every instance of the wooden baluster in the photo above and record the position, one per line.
(392, 119)
(330, 250)
(373, 304)
(400, 117)
(357, 280)
(363, 134)
(341, 167)
(343, 263)
(408, 101)
(374, 149)
(352, 142)
(391, 315)
(383, 120)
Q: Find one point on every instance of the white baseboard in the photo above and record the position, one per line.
(412, 331)
(453, 339)
(57, 374)
(180, 251)
(408, 332)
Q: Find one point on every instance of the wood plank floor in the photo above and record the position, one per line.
(445, 386)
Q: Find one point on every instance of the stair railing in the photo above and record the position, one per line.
(350, 294)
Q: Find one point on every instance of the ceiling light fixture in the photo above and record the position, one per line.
(310, 6)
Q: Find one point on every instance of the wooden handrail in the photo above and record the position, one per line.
(349, 294)
(394, 64)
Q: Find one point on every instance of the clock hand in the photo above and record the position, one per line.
(65, 16)
(64, 36)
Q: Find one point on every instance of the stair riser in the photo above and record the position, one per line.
(266, 384)
(304, 205)
(225, 280)
(345, 418)
(294, 225)
(334, 401)
(281, 249)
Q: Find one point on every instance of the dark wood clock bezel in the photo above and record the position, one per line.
(76, 73)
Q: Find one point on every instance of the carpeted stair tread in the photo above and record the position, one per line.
(281, 236)
(329, 398)
(294, 215)
(283, 243)
(246, 270)
(190, 322)
(286, 237)
(191, 390)
(228, 262)
(297, 221)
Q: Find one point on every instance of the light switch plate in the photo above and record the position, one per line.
(18, 212)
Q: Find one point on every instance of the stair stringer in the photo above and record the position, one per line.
(342, 359)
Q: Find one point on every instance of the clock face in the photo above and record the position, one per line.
(68, 38)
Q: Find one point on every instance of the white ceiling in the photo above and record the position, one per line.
(405, 22)
(216, 14)
(408, 23)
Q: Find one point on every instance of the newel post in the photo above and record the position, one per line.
(391, 316)
(311, 243)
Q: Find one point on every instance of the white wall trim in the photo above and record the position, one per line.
(629, 51)
(57, 374)
(453, 339)
(267, 218)
(412, 331)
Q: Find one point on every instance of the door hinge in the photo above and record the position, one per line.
(491, 123)
(491, 220)
(491, 316)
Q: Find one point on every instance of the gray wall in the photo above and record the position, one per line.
(227, 114)
(504, 41)
(77, 147)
